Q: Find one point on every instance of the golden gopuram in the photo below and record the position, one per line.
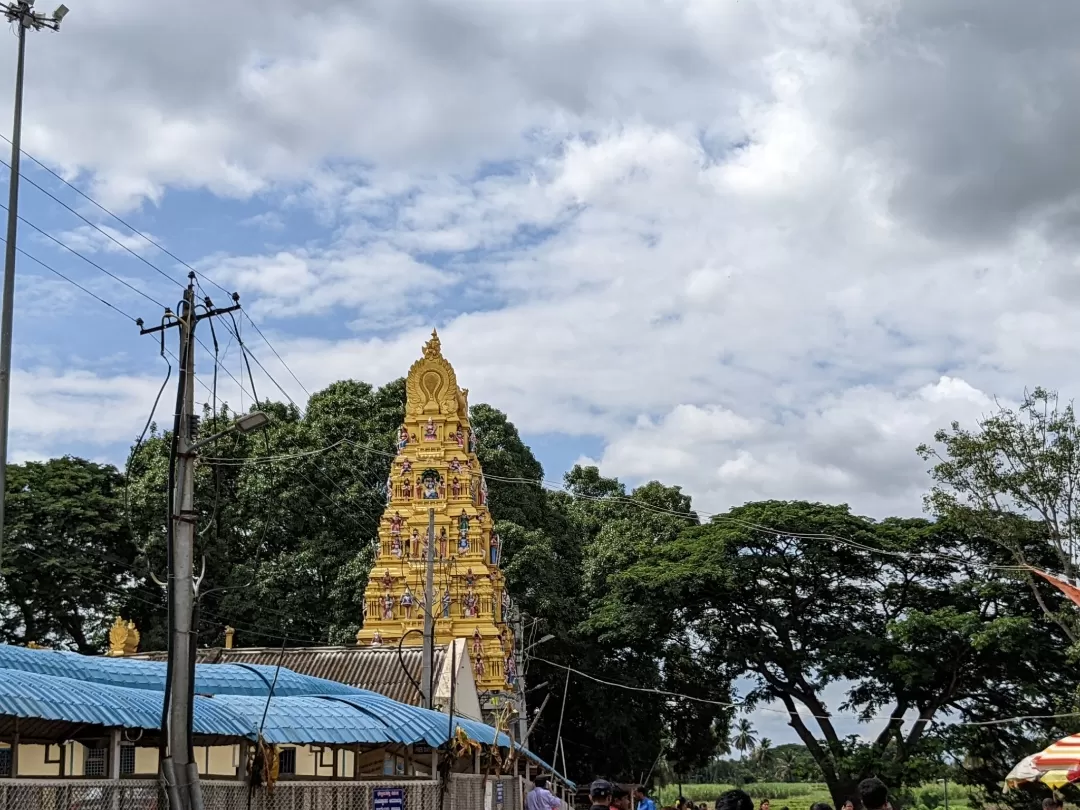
(436, 470)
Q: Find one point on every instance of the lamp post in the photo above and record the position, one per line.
(20, 12)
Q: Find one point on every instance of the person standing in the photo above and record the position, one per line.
(600, 795)
(874, 794)
(641, 796)
(540, 798)
(620, 798)
(734, 800)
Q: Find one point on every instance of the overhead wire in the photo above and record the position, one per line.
(87, 259)
(74, 283)
(144, 237)
(96, 227)
(742, 705)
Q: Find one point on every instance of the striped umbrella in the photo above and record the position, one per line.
(1054, 766)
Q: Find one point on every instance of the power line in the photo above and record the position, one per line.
(97, 228)
(275, 351)
(149, 240)
(89, 261)
(74, 283)
(742, 705)
(115, 216)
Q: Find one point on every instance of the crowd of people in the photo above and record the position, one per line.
(604, 795)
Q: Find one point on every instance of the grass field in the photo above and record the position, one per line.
(793, 795)
(800, 795)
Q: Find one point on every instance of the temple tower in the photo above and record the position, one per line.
(436, 468)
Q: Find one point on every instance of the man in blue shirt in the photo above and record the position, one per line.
(642, 799)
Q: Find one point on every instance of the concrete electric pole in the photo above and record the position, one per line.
(178, 767)
(20, 12)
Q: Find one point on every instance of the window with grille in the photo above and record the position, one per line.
(94, 764)
(287, 761)
(5, 762)
(127, 760)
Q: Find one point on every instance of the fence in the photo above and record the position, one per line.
(467, 792)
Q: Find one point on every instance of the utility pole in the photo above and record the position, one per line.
(178, 767)
(20, 12)
(426, 666)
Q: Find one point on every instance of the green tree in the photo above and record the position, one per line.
(288, 517)
(891, 608)
(745, 737)
(66, 557)
(1016, 480)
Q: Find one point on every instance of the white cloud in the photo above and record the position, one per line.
(79, 407)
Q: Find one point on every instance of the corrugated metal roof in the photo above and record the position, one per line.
(210, 679)
(31, 695)
(43, 685)
(373, 668)
(313, 721)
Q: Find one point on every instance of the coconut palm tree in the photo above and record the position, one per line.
(762, 754)
(784, 768)
(745, 737)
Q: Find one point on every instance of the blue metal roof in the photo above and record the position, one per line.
(30, 695)
(210, 679)
(311, 720)
(231, 699)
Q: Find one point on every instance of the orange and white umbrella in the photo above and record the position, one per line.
(1054, 766)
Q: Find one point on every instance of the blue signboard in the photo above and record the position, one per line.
(389, 798)
(498, 796)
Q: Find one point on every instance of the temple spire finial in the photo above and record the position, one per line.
(433, 348)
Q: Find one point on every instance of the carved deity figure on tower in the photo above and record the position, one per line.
(495, 550)
(407, 602)
(470, 607)
(406, 467)
(510, 667)
(388, 607)
(403, 438)
(459, 437)
(395, 545)
(396, 522)
(430, 433)
(477, 644)
(431, 486)
(444, 543)
(406, 489)
(414, 542)
(446, 601)
(455, 487)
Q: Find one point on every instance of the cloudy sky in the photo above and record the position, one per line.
(758, 249)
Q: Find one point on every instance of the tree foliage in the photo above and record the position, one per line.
(889, 609)
(67, 554)
(1016, 480)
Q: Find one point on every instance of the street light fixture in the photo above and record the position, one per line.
(543, 640)
(247, 423)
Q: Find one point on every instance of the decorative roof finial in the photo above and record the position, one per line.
(433, 348)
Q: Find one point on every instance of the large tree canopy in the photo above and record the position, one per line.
(889, 609)
(67, 554)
